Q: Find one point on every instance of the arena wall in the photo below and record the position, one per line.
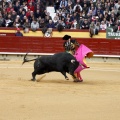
(54, 45)
(34, 43)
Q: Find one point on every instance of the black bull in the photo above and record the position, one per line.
(60, 62)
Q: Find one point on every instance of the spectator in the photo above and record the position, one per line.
(22, 17)
(42, 23)
(31, 6)
(50, 24)
(19, 12)
(63, 4)
(26, 26)
(68, 22)
(93, 10)
(70, 3)
(85, 9)
(100, 17)
(111, 5)
(34, 25)
(13, 15)
(103, 26)
(18, 33)
(107, 16)
(92, 29)
(17, 22)
(119, 28)
(74, 16)
(41, 5)
(55, 20)
(77, 8)
(57, 16)
(31, 16)
(118, 13)
(48, 33)
(2, 21)
(82, 2)
(9, 8)
(48, 15)
(1, 4)
(57, 5)
(16, 7)
(8, 21)
(37, 14)
(24, 5)
(60, 16)
(97, 28)
(60, 26)
(23, 21)
(72, 27)
(85, 24)
(32, 1)
(117, 5)
(74, 24)
(112, 19)
(47, 18)
(115, 28)
(81, 22)
(70, 10)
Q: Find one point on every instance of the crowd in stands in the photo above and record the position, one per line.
(70, 14)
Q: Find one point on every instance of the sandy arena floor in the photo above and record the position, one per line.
(54, 98)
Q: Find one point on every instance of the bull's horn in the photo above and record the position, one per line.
(72, 61)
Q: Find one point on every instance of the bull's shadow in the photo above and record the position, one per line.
(55, 77)
(47, 78)
(68, 82)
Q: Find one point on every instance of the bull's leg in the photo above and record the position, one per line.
(64, 73)
(33, 76)
(35, 72)
(72, 73)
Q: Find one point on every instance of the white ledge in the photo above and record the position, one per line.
(18, 53)
(112, 56)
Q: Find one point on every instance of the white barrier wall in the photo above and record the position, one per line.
(19, 56)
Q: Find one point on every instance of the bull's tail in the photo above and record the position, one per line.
(26, 60)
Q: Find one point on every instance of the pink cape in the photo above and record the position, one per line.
(80, 55)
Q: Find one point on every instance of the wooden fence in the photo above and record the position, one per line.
(54, 45)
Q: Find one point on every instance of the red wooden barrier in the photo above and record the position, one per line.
(54, 45)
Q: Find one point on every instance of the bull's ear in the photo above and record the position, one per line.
(72, 61)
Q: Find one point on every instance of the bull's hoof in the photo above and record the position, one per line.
(77, 80)
(67, 78)
(32, 79)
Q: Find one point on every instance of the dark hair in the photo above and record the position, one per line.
(66, 37)
(60, 27)
(44, 30)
